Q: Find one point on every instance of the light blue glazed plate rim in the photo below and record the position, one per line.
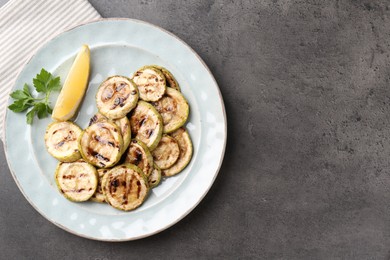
(207, 126)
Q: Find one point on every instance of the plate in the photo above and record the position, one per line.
(119, 47)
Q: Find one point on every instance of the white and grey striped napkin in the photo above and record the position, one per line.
(26, 25)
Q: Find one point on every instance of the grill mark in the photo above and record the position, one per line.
(142, 121)
(127, 189)
(114, 184)
(120, 87)
(69, 137)
(93, 120)
(120, 101)
(103, 141)
(124, 129)
(138, 189)
(73, 190)
(111, 91)
(149, 132)
(101, 157)
(68, 177)
(98, 156)
(136, 156)
(107, 94)
(117, 101)
(59, 144)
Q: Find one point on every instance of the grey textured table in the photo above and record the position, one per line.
(306, 173)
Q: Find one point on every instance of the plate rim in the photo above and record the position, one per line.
(210, 184)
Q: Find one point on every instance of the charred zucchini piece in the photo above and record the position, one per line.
(116, 97)
(61, 140)
(166, 153)
(155, 177)
(139, 155)
(77, 181)
(123, 124)
(170, 79)
(146, 124)
(174, 110)
(184, 140)
(98, 196)
(125, 187)
(101, 144)
(151, 83)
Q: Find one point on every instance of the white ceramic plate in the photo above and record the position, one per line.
(119, 46)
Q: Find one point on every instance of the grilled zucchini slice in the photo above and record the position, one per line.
(77, 181)
(123, 124)
(170, 79)
(166, 153)
(184, 140)
(61, 140)
(151, 83)
(125, 187)
(98, 196)
(155, 177)
(174, 110)
(101, 144)
(146, 124)
(116, 97)
(139, 155)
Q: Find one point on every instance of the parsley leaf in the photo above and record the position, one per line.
(54, 84)
(44, 83)
(30, 116)
(42, 80)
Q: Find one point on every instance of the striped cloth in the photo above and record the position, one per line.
(26, 25)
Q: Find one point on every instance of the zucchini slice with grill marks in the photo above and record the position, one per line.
(174, 110)
(123, 124)
(155, 177)
(98, 196)
(139, 155)
(146, 124)
(116, 97)
(184, 140)
(101, 144)
(166, 153)
(77, 181)
(125, 187)
(151, 83)
(170, 79)
(61, 140)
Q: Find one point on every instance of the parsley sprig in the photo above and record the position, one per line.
(44, 84)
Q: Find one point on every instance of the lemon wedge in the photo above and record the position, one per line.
(73, 90)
